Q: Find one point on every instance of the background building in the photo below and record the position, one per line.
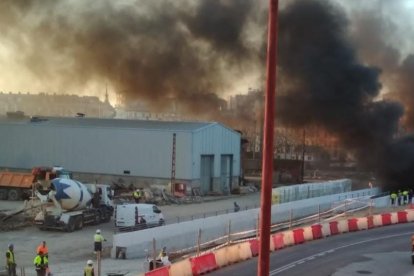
(129, 152)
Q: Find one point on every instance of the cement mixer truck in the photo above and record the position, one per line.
(70, 205)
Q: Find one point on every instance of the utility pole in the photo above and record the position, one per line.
(173, 164)
(267, 164)
(303, 156)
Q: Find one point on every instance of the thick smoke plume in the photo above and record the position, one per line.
(192, 51)
(373, 35)
(332, 88)
(156, 51)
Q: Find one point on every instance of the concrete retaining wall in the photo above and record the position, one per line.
(183, 235)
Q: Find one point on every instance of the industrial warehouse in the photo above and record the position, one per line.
(203, 155)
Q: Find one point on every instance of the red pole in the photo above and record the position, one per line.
(267, 159)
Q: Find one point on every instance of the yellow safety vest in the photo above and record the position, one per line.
(98, 238)
(38, 262)
(88, 270)
(10, 259)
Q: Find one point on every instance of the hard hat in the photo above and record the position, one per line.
(89, 262)
(98, 231)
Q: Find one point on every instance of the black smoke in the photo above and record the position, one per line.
(330, 86)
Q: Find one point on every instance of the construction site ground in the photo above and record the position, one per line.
(68, 252)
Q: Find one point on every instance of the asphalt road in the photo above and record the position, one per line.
(380, 251)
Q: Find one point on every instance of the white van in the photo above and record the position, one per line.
(137, 216)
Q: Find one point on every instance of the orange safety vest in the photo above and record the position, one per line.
(45, 250)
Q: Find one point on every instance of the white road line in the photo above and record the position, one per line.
(301, 261)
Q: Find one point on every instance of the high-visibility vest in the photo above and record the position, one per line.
(98, 238)
(10, 257)
(40, 262)
(88, 271)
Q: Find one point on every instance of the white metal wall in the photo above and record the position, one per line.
(95, 150)
(216, 139)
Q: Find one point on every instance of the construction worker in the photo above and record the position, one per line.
(163, 253)
(137, 195)
(99, 239)
(393, 197)
(88, 270)
(236, 207)
(43, 247)
(10, 261)
(399, 197)
(41, 263)
(405, 197)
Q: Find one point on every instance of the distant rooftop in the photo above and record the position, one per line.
(109, 123)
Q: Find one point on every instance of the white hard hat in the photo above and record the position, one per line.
(98, 231)
(89, 262)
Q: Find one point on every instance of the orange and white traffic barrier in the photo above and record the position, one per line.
(278, 241)
(394, 217)
(370, 222)
(316, 231)
(410, 215)
(353, 224)
(377, 220)
(307, 233)
(162, 271)
(343, 226)
(298, 235)
(402, 217)
(203, 263)
(181, 268)
(386, 219)
(326, 229)
(333, 226)
(288, 238)
(362, 223)
(233, 254)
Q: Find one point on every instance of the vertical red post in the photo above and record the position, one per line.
(267, 159)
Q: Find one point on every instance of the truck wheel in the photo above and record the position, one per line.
(3, 194)
(71, 225)
(14, 194)
(78, 223)
(97, 219)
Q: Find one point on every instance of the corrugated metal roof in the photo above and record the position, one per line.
(112, 123)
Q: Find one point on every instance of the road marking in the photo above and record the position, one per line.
(301, 261)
